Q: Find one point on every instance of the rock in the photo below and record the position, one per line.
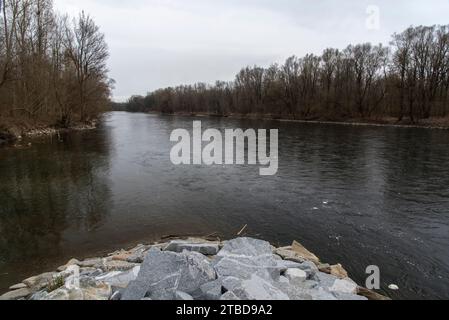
(124, 256)
(284, 265)
(244, 257)
(335, 270)
(247, 247)
(117, 265)
(289, 255)
(245, 267)
(72, 262)
(39, 282)
(371, 295)
(229, 296)
(345, 286)
(100, 291)
(18, 286)
(137, 255)
(310, 268)
(284, 280)
(211, 291)
(164, 273)
(116, 296)
(349, 297)
(91, 263)
(208, 249)
(257, 288)
(296, 276)
(120, 279)
(321, 294)
(393, 287)
(91, 272)
(325, 280)
(304, 253)
(16, 294)
(182, 296)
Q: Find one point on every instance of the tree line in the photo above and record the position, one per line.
(407, 80)
(52, 68)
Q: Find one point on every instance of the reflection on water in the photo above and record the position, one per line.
(355, 195)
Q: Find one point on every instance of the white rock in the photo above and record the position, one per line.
(344, 286)
(296, 276)
(393, 287)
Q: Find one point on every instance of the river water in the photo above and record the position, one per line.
(358, 196)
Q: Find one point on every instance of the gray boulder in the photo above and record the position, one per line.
(257, 288)
(162, 274)
(247, 247)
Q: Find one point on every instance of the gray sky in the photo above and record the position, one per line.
(160, 43)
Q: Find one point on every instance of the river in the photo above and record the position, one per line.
(358, 196)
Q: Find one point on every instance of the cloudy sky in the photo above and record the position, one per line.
(159, 43)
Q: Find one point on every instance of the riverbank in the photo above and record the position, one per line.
(196, 269)
(431, 123)
(12, 134)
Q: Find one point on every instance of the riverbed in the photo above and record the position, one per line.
(358, 196)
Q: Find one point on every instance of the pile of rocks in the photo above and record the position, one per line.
(195, 269)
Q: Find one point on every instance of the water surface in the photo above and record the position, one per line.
(355, 195)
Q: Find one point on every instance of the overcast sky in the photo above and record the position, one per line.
(160, 43)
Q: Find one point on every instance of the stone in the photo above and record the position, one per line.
(245, 267)
(245, 247)
(346, 286)
(208, 249)
(321, 294)
(304, 253)
(120, 279)
(211, 291)
(116, 296)
(182, 296)
(284, 265)
(229, 296)
(335, 270)
(71, 262)
(284, 279)
(16, 294)
(393, 287)
(91, 263)
(349, 297)
(100, 291)
(257, 288)
(371, 295)
(296, 276)
(310, 268)
(123, 256)
(39, 282)
(18, 286)
(164, 273)
(289, 255)
(137, 255)
(117, 265)
(325, 280)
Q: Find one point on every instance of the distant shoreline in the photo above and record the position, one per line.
(434, 123)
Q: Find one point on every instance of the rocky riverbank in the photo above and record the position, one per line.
(14, 134)
(196, 269)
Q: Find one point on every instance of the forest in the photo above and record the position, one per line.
(52, 68)
(406, 81)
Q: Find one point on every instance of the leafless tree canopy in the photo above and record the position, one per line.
(52, 69)
(408, 79)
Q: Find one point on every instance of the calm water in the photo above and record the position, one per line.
(355, 195)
